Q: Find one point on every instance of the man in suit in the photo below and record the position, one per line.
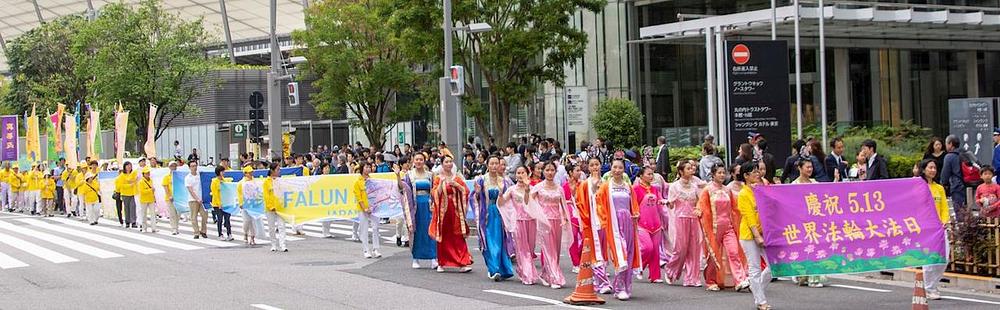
(878, 168)
(662, 157)
(836, 167)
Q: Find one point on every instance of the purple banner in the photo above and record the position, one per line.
(831, 228)
(8, 139)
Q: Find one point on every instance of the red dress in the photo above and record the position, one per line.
(448, 222)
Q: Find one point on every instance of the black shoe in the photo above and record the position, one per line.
(406, 244)
(94, 223)
(204, 236)
(399, 242)
(197, 236)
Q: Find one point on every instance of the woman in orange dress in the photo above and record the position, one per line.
(447, 225)
(719, 221)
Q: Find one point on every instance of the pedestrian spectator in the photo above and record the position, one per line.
(858, 170)
(788, 172)
(709, 159)
(951, 174)
(877, 167)
(935, 151)
(745, 154)
(178, 151)
(343, 166)
(380, 165)
(818, 157)
(836, 166)
(988, 193)
(663, 157)
(512, 159)
(996, 152)
(193, 157)
(767, 159)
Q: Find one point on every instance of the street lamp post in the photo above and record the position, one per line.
(451, 109)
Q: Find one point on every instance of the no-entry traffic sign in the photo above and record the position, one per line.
(741, 54)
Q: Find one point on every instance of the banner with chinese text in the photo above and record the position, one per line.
(8, 123)
(834, 228)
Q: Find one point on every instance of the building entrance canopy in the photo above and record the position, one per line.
(849, 24)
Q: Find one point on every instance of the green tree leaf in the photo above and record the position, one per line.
(619, 122)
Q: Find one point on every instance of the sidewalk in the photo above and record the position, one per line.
(953, 282)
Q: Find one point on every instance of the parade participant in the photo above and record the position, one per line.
(550, 200)
(90, 194)
(168, 194)
(369, 238)
(751, 234)
(197, 206)
(618, 214)
(806, 167)
(275, 225)
(649, 226)
(221, 217)
(68, 178)
(536, 172)
(80, 179)
(125, 185)
(147, 201)
(933, 273)
(492, 235)
(5, 187)
(521, 226)
(250, 224)
(402, 233)
(418, 211)
(48, 194)
(683, 198)
(33, 198)
(569, 189)
(448, 226)
(666, 218)
(591, 254)
(719, 221)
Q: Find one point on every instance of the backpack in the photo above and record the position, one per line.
(970, 171)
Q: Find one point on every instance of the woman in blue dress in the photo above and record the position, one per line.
(418, 183)
(492, 235)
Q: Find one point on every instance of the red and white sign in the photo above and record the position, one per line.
(741, 54)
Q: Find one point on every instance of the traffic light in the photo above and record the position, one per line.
(293, 94)
(257, 127)
(456, 80)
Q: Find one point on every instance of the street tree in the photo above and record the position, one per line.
(140, 55)
(530, 44)
(359, 63)
(42, 69)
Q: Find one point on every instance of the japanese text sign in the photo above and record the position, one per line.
(8, 137)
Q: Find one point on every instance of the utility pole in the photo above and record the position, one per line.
(274, 90)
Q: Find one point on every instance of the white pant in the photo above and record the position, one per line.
(14, 200)
(276, 230)
(148, 213)
(33, 201)
(326, 228)
(934, 273)
(4, 191)
(354, 230)
(249, 224)
(369, 220)
(759, 279)
(93, 212)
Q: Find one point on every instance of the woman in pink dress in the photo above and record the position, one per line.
(666, 218)
(521, 225)
(548, 198)
(649, 226)
(719, 221)
(569, 189)
(683, 196)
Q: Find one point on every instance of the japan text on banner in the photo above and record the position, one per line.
(313, 198)
(832, 228)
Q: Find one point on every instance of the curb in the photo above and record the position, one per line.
(952, 280)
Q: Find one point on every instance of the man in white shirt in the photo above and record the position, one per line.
(193, 184)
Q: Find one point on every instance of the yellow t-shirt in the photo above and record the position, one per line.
(35, 181)
(216, 189)
(79, 181)
(48, 189)
(146, 192)
(168, 186)
(89, 191)
(69, 179)
(305, 171)
(749, 219)
(940, 202)
(16, 182)
(361, 194)
(271, 202)
(125, 183)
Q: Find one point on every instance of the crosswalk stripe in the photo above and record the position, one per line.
(94, 237)
(70, 244)
(36, 250)
(239, 231)
(7, 262)
(205, 241)
(125, 234)
(236, 232)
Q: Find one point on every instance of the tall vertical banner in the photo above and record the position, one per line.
(833, 228)
(70, 142)
(8, 123)
(121, 129)
(757, 89)
(50, 134)
(150, 146)
(79, 126)
(93, 135)
(32, 148)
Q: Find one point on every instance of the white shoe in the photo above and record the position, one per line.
(416, 265)
(576, 269)
(464, 269)
(352, 238)
(743, 285)
(658, 281)
(376, 254)
(544, 283)
(606, 290)
(273, 248)
(368, 254)
(638, 276)
(440, 269)
(556, 286)
(933, 295)
(622, 296)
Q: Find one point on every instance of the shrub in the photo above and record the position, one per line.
(619, 122)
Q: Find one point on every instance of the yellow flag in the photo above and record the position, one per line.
(33, 148)
(93, 128)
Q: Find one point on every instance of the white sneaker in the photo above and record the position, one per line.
(658, 281)
(273, 248)
(352, 238)
(556, 286)
(376, 254)
(576, 269)
(622, 296)
(440, 269)
(368, 254)
(416, 265)
(743, 285)
(606, 290)
(638, 276)
(544, 283)
(933, 295)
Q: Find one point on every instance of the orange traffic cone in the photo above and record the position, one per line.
(584, 293)
(919, 295)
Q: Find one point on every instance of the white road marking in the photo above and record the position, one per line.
(264, 307)
(57, 240)
(126, 234)
(536, 298)
(7, 262)
(95, 237)
(860, 288)
(971, 300)
(36, 250)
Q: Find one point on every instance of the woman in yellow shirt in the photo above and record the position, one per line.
(147, 201)
(168, 194)
(751, 235)
(48, 194)
(5, 187)
(89, 192)
(125, 186)
(275, 225)
(365, 217)
(221, 217)
(933, 273)
(34, 189)
(250, 224)
(16, 180)
(79, 180)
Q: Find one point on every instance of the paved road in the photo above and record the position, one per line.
(58, 263)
